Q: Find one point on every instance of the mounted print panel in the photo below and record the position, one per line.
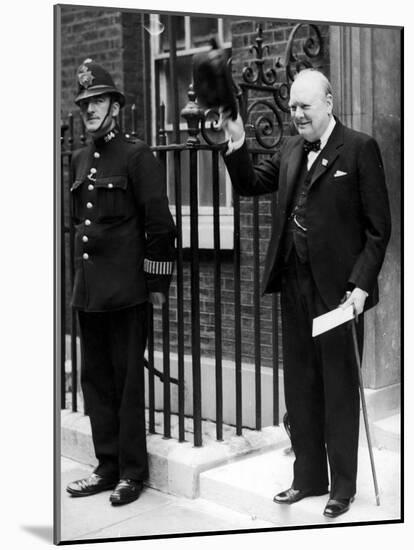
(221, 182)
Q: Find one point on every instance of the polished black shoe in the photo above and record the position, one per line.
(290, 496)
(337, 506)
(90, 486)
(126, 491)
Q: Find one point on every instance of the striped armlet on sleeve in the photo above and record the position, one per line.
(154, 267)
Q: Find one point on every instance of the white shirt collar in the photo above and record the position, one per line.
(312, 155)
(325, 136)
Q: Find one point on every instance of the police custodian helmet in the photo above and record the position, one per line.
(94, 80)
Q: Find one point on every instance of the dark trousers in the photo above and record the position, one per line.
(321, 388)
(112, 379)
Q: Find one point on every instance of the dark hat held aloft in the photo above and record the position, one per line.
(94, 80)
(212, 81)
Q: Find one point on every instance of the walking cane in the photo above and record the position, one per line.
(364, 406)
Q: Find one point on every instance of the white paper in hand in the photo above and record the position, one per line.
(331, 319)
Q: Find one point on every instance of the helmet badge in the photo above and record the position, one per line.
(85, 76)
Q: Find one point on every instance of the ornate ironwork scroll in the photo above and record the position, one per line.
(268, 125)
(312, 47)
(210, 126)
(260, 77)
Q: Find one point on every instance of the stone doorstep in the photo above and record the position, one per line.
(248, 487)
(175, 467)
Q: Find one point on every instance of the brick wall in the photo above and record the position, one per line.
(113, 38)
(88, 32)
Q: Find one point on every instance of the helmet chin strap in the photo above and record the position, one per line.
(105, 117)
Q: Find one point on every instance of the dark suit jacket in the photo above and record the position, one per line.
(347, 215)
(124, 215)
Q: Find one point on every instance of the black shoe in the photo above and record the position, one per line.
(126, 491)
(337, 506)
(290, 496)
(90, 486)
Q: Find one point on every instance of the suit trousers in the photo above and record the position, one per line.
(321, 387)
(112, 380)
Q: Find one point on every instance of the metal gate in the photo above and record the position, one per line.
(262, 95)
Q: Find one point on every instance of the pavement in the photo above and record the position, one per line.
(248, 486)
(233, 497)
(154, 513)
(235, 487)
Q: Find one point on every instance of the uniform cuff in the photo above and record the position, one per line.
(154, 267)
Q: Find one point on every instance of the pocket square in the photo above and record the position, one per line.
(339, 173)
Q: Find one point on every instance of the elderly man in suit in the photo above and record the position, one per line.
(328, 242)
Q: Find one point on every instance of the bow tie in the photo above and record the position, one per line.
(311, 146)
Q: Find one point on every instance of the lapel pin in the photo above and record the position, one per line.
(324, 162)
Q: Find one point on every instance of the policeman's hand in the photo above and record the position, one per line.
(356, 298)
(233, 129)
(156, 298)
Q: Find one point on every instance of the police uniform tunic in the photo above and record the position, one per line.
(124, 249)
(124, 230)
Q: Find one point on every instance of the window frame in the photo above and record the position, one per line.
(205, 213)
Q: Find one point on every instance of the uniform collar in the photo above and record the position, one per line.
(108, 137)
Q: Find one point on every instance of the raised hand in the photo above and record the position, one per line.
(233, 129)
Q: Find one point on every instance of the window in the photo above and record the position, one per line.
(193, 34)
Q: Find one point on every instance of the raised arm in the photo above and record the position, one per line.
(247, 179)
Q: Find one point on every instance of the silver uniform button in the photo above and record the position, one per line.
(89, 205)
(93, 170)
(85, 256)
(91, 187)
(96, 154)
(110, 185)
(88, 222)
(85, 239)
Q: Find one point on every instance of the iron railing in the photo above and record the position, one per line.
(259, 91)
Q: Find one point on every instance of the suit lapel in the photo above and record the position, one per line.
(329, 153)
(324, 160)
(294, 164)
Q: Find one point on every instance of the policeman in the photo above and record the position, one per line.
(124, 257)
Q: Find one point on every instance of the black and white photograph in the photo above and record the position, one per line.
(230, 261)
(229, 273)
(204, 295)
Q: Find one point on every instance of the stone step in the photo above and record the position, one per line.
(174, 467)
(248, 486)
